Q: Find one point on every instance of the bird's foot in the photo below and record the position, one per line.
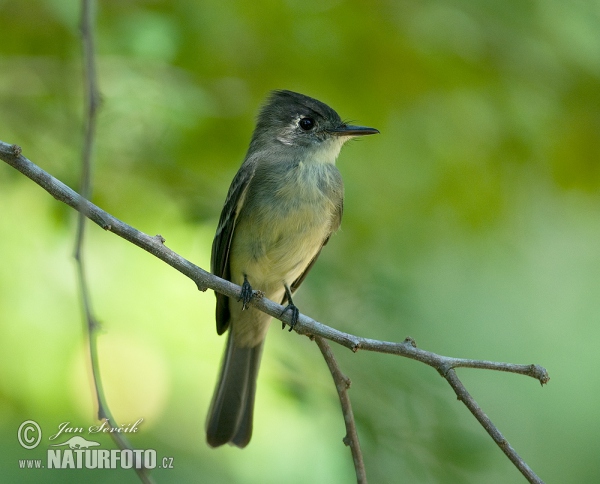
(246, 294)
(290, 307)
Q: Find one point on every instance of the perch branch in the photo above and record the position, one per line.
(305, 325)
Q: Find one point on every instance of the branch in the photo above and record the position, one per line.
(92, 102)
(342, 384)
(305, 325)
(91, 105)
(464, 396)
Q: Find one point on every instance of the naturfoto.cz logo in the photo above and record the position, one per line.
(78, 452)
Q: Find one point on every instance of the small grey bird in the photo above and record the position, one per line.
(282, 206)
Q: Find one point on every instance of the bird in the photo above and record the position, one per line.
(284, 203)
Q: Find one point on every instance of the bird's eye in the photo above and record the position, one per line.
(306, 124)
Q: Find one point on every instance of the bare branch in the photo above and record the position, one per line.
(464, 396)
(155, 245)
(91, 103)
(92, 100)
(91, 95)
(342, 384)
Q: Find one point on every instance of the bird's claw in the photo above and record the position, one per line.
(246, 294)
(291, 307)
(295, 315)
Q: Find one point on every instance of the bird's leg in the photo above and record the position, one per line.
(291, 307)
(246, 294)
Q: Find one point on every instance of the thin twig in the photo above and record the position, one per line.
(92, 102)
(204, 280)
(90, 105)
(464, 396)
(342, 384)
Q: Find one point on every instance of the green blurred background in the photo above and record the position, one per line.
(472, 224)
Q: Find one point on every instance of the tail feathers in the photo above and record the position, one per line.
(232, 408)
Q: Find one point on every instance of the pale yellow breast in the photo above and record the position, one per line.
(275, 244)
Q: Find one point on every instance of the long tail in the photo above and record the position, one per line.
(230, 415)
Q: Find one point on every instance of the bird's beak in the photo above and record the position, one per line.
(349, 130)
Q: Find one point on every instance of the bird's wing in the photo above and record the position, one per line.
(335, 223)
(219, 261)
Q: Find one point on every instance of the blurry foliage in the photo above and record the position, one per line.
(471, 224)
